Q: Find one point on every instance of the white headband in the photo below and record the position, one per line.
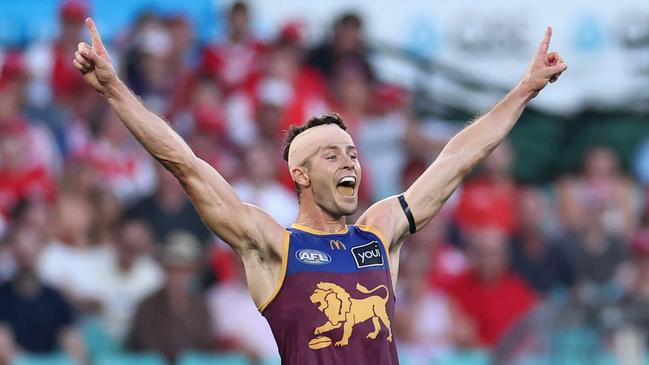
(307, 143)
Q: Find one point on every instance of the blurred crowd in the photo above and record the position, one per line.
(102, 251)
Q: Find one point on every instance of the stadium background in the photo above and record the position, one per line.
(541, 258)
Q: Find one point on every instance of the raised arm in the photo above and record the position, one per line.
(464, 151)
(241, 225)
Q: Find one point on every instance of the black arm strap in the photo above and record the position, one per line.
(406, 210)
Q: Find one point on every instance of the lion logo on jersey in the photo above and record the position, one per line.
(342, 310)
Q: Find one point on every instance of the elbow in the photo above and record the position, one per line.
(182, 168)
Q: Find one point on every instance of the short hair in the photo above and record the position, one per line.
(238, 7)
(294, 131)
(349, 18)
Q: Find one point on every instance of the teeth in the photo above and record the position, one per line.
(348, 179)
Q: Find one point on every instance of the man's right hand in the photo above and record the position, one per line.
(545, 67)
(94, 62)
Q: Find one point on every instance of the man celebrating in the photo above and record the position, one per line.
(325, 287)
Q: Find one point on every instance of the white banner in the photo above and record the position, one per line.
(605, 43)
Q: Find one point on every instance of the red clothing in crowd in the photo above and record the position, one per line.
(127, 171)
(66, 80)
(232, 63)
(306, 96)
(24, 171)
(484, 203)
(32, 182)
(447, 263)
(493, 307)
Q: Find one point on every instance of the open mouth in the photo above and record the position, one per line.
(346, 185)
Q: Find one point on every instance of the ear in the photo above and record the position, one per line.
(301, 176)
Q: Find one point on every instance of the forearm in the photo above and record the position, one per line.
(478, 139)
(8, 348)
(153, 133)
(465, 150)
(72, 343)
(462, 153)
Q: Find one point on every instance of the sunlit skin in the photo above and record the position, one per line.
(319, 177)
(253, 233)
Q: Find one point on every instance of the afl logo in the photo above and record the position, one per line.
(312, 257)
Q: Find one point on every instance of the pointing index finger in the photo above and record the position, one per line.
(545, 43)
(97, 44)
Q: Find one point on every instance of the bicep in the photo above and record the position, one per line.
(387, 217)
(424, 197)
(431, 190)
(239, 224)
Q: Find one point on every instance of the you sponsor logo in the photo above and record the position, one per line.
(368, 255)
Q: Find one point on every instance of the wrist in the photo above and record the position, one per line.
(524, 90)
(115, 89)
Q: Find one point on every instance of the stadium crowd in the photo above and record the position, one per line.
(101, 250)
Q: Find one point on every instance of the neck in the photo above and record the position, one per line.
(124, 265)
(238, 36)
(27, 283)
(312, 216)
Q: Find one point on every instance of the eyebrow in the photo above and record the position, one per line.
(337, 147)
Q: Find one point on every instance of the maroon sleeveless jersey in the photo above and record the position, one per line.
(335, 302)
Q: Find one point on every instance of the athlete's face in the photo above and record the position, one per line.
(335, 175)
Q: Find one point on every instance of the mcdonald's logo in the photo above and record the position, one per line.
(337, 245)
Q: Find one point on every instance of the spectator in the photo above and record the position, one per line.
(596, 254)
(446, 262)
(76, 125)
(168, 210)
(423, 317)
(33, 215)
(182, 55)
(123, 166)
(260, 187)
(150, 68)
(34, 317)
(236, 320)
(174, 319)
(28, 158)
(489, 199)
(283, 85)
(232, 102)
(203, 112)
(232, 61)
(72, 250)
(390, 136)
(535, 257)
(180, 63)
(21, 177)
(286, 83)
(346, 44)
(600, 183)
(126, 274)
(268, 117)
(489, 294)
(351, 93)
(211, 134)
(55, 78)
(107, 214)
